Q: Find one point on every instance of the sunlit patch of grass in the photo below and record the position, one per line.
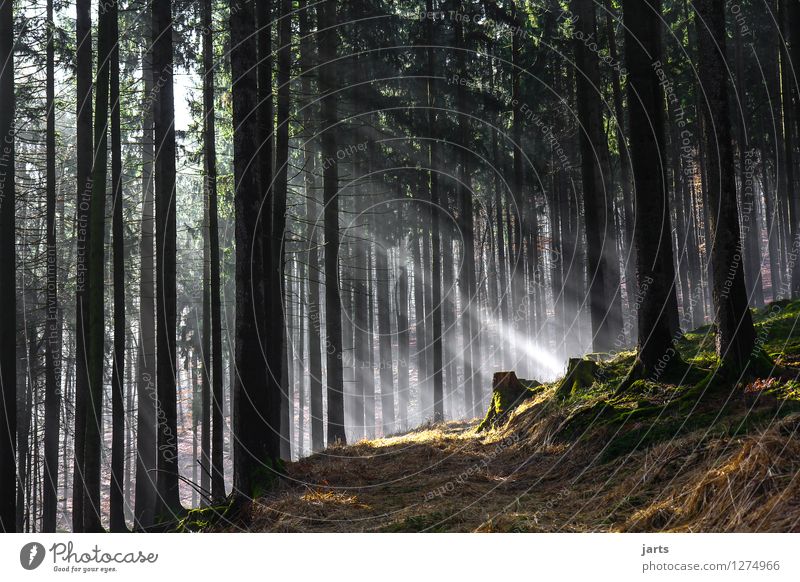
(322, 498)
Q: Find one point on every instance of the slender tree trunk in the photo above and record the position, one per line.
(214, 318)
(747, 199)
(333, 308)
(385, 340)
(96, 336)
(735, 334)
(436, 256)
(117, 498)
(786, 77)
(52, 404)
(467, 233)
(275, 274)
(146, 397)
(83, 171)
(8, 298)
(361, 421)
(624, 157)
(401, 309)
(24, 411)
(168, 503)
(312, 253)
(652, 235)
(591, 119)
(419, 319)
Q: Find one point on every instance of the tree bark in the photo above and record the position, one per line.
(168, 503)
(52, 404)
(8, 298)
(333, 308)
(117, 498)
(653, 234)
(256, 396)
(146, 397)
(83, 170)
(735, 337)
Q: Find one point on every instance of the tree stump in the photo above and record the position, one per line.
(580, 375)
(508, 392)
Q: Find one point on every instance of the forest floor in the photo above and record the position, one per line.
(659, 457)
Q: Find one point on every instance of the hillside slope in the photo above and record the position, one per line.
(661, 457)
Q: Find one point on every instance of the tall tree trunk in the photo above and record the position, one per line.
(212, 297)
(786, 76)
(117, 498)
(419, 317)
(652, 235)
(8, 298)
(312, 237)
(52, 404)
(275, 315)
(24, 411)
(467, 233)
(333, 308)
(591, 135)
(363, 410)
(735, 334)
(168, 503)
(83, 171)
(436, 256)
(146, 396)
(256, 419)
(385, 339)
(624, 158)
(96, 336)
(747, 199)
(401, 309)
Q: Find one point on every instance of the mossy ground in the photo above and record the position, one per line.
(653, 458)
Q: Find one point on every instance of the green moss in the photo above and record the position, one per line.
(508, 393)
(581, 374)
(428, 522)
(204, 517)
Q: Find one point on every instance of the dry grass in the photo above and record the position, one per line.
(752, 486)
(519, 478)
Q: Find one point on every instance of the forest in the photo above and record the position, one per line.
(394, 265)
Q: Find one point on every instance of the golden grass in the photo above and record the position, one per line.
(517, 478)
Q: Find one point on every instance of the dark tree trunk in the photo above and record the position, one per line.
(8, 298)
(467, 233)
(117, 498)
(146, 397)
(333, 308)
(591, 135)
(419, 317)
(52, 403)
(653, 234)
(96, 337)
(312, 253)
(83, 170)
(786, 76)
(256, 396)
(212, 297)
(747, 198)
(624, 159)
(25, 394)
(275, 274)
(436, 256)
(735, 334)
(168, 503)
